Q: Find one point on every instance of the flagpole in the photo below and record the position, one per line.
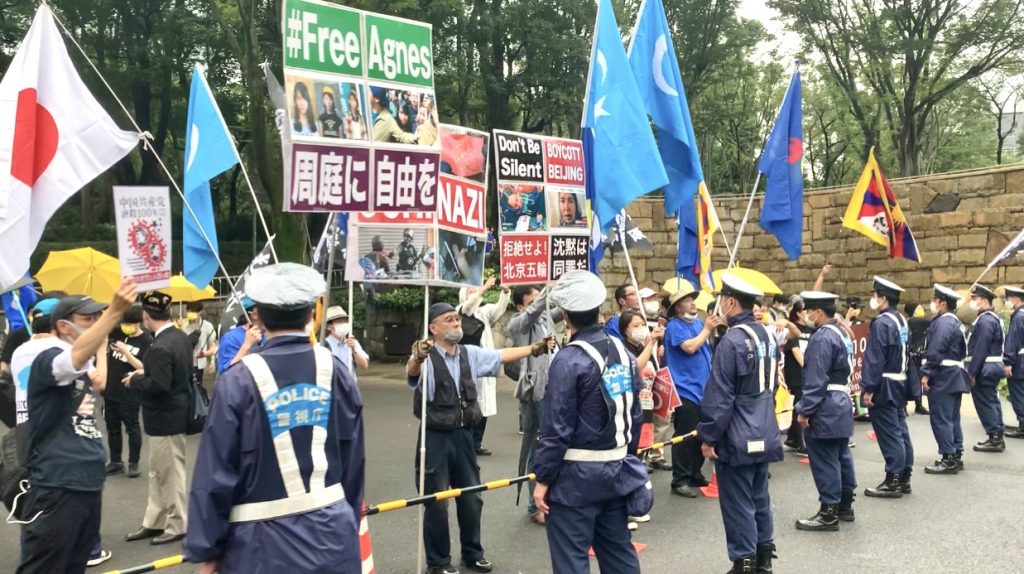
(629, 262)
(330, 272)
(423, 429)
(145, 137)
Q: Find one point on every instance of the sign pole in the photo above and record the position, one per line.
(423, 431)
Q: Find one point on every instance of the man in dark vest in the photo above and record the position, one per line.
(452, 411)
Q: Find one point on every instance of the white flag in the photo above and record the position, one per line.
(54, 138)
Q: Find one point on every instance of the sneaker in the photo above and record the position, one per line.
(640, 519)
(102, 557)
(662, 464)
(115, 468)
(802, 451)
(632, 526)
(133, 470)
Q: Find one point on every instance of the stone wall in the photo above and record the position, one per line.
(960, 220)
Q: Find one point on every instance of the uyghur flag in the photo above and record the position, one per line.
(874, 211)
(54, 138)
(782, 213)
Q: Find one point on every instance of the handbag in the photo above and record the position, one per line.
(198, 406)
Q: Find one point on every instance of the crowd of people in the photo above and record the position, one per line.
(282, 457)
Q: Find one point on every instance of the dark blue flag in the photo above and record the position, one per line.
(782, 213)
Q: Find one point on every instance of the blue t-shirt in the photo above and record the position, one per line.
(689, 372)
(611, 328)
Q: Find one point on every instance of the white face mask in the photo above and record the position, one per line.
(639, 335)
(934, 307)
(78, 330)
(874, 304)
(689, 316)
(652, 308)
(341, 330)
(973, 304)
(1009, 304)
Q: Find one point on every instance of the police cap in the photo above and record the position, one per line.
(819, 299)
(285, 286)
(1014, 292)
(578, 291)
(886, 288)
(946, 294)
(733, 286)
(979, 290)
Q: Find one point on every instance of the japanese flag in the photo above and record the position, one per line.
(54, 138)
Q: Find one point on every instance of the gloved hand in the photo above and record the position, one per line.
(542, 346)
(421, 349)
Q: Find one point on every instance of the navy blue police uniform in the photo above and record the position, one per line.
(1013, 359)
(828, 370)
(985, 367)
(889, 375)
(738, 421)
(945, 350)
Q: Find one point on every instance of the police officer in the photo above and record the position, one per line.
(888, 381)
(945, 380)
(452, 412)
(826, 412)
(588, 475)
(985, 367)
(738, 427)
(279, 476)
(1013, 358)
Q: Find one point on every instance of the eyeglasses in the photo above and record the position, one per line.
(452, 319)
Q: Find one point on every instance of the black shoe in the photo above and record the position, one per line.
(115, 468)
(661, 464)
(920, 410)
(959, 458)
(746, 565)
(905, 480)
(890, 487)
(449, 569)
(483, 451)
(166, 539)
(699, 481)
(846, 506)
(765, 553)
(946, 465)
(802, 451)
(142, 534)
(792, 444)
(826, 520)
(1014, 433)
(133, 470)
(685, 490)
(993, 444)
(481, 565)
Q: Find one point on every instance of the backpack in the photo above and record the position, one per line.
(472, 330)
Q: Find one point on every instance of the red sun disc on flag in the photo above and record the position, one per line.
(796, 149)
(35, 139)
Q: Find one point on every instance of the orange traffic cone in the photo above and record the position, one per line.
(365, 546)
(711, 490)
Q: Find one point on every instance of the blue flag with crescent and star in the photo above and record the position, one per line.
(782, 213)
(652, 57)
(209, 151)
(625, 162)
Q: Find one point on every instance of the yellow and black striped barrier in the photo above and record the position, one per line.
(407, 502)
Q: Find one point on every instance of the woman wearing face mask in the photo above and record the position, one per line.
(794, 370)
(128, 343)
(202, 335)
(341, 342)
(642, 341)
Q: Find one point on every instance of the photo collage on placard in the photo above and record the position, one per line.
(462, 203)
(391, 248)
(542, 207)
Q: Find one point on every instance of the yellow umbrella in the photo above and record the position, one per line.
(676, 283)
(83, 271)
(757, 279)
(183, 291)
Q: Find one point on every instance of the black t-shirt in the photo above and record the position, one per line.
(14, 340)
(793, 371)
(118, 368)
(331, 125)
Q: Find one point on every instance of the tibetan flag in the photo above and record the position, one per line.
(707, 224)
(875, 212)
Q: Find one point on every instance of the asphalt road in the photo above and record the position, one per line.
(972, 522)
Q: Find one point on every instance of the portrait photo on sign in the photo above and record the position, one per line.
(460, 258)
(464, 153)
(391, 253)
(522, 208)
(303, 106)
(341, 108)
(403, 116)
(565, 204)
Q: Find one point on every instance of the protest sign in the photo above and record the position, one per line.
(143, 218)
(391, 248)
(666, 398)
(361, 111)
(860, 343)
(540, 199)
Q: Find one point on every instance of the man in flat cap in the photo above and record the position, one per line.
(825, 411)
(889, 379)
(449, 374)
(738, 427)
(279, 477)
(586, 464)
(945, 380)
(985, 367)
(163, 389)
(1013, 358)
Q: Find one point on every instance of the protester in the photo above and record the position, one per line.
(588, 475)
(342, 343)
(688, 355)
(163, 385)
(252, 511)
(1013, 358)
(826, 411)
(452, 411)
(918, 323)
(793, 370)
(779, 308)
(738, 428)
(888, 381)
(985, 367)
(128, 344)
(627, 299)
(19, 336)
(531, 323)
(642, 341)
(240, 339)
(66, 459)
(385, 128)
(477, 323)
(204, 336)
(853, 311)
(945, 380)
